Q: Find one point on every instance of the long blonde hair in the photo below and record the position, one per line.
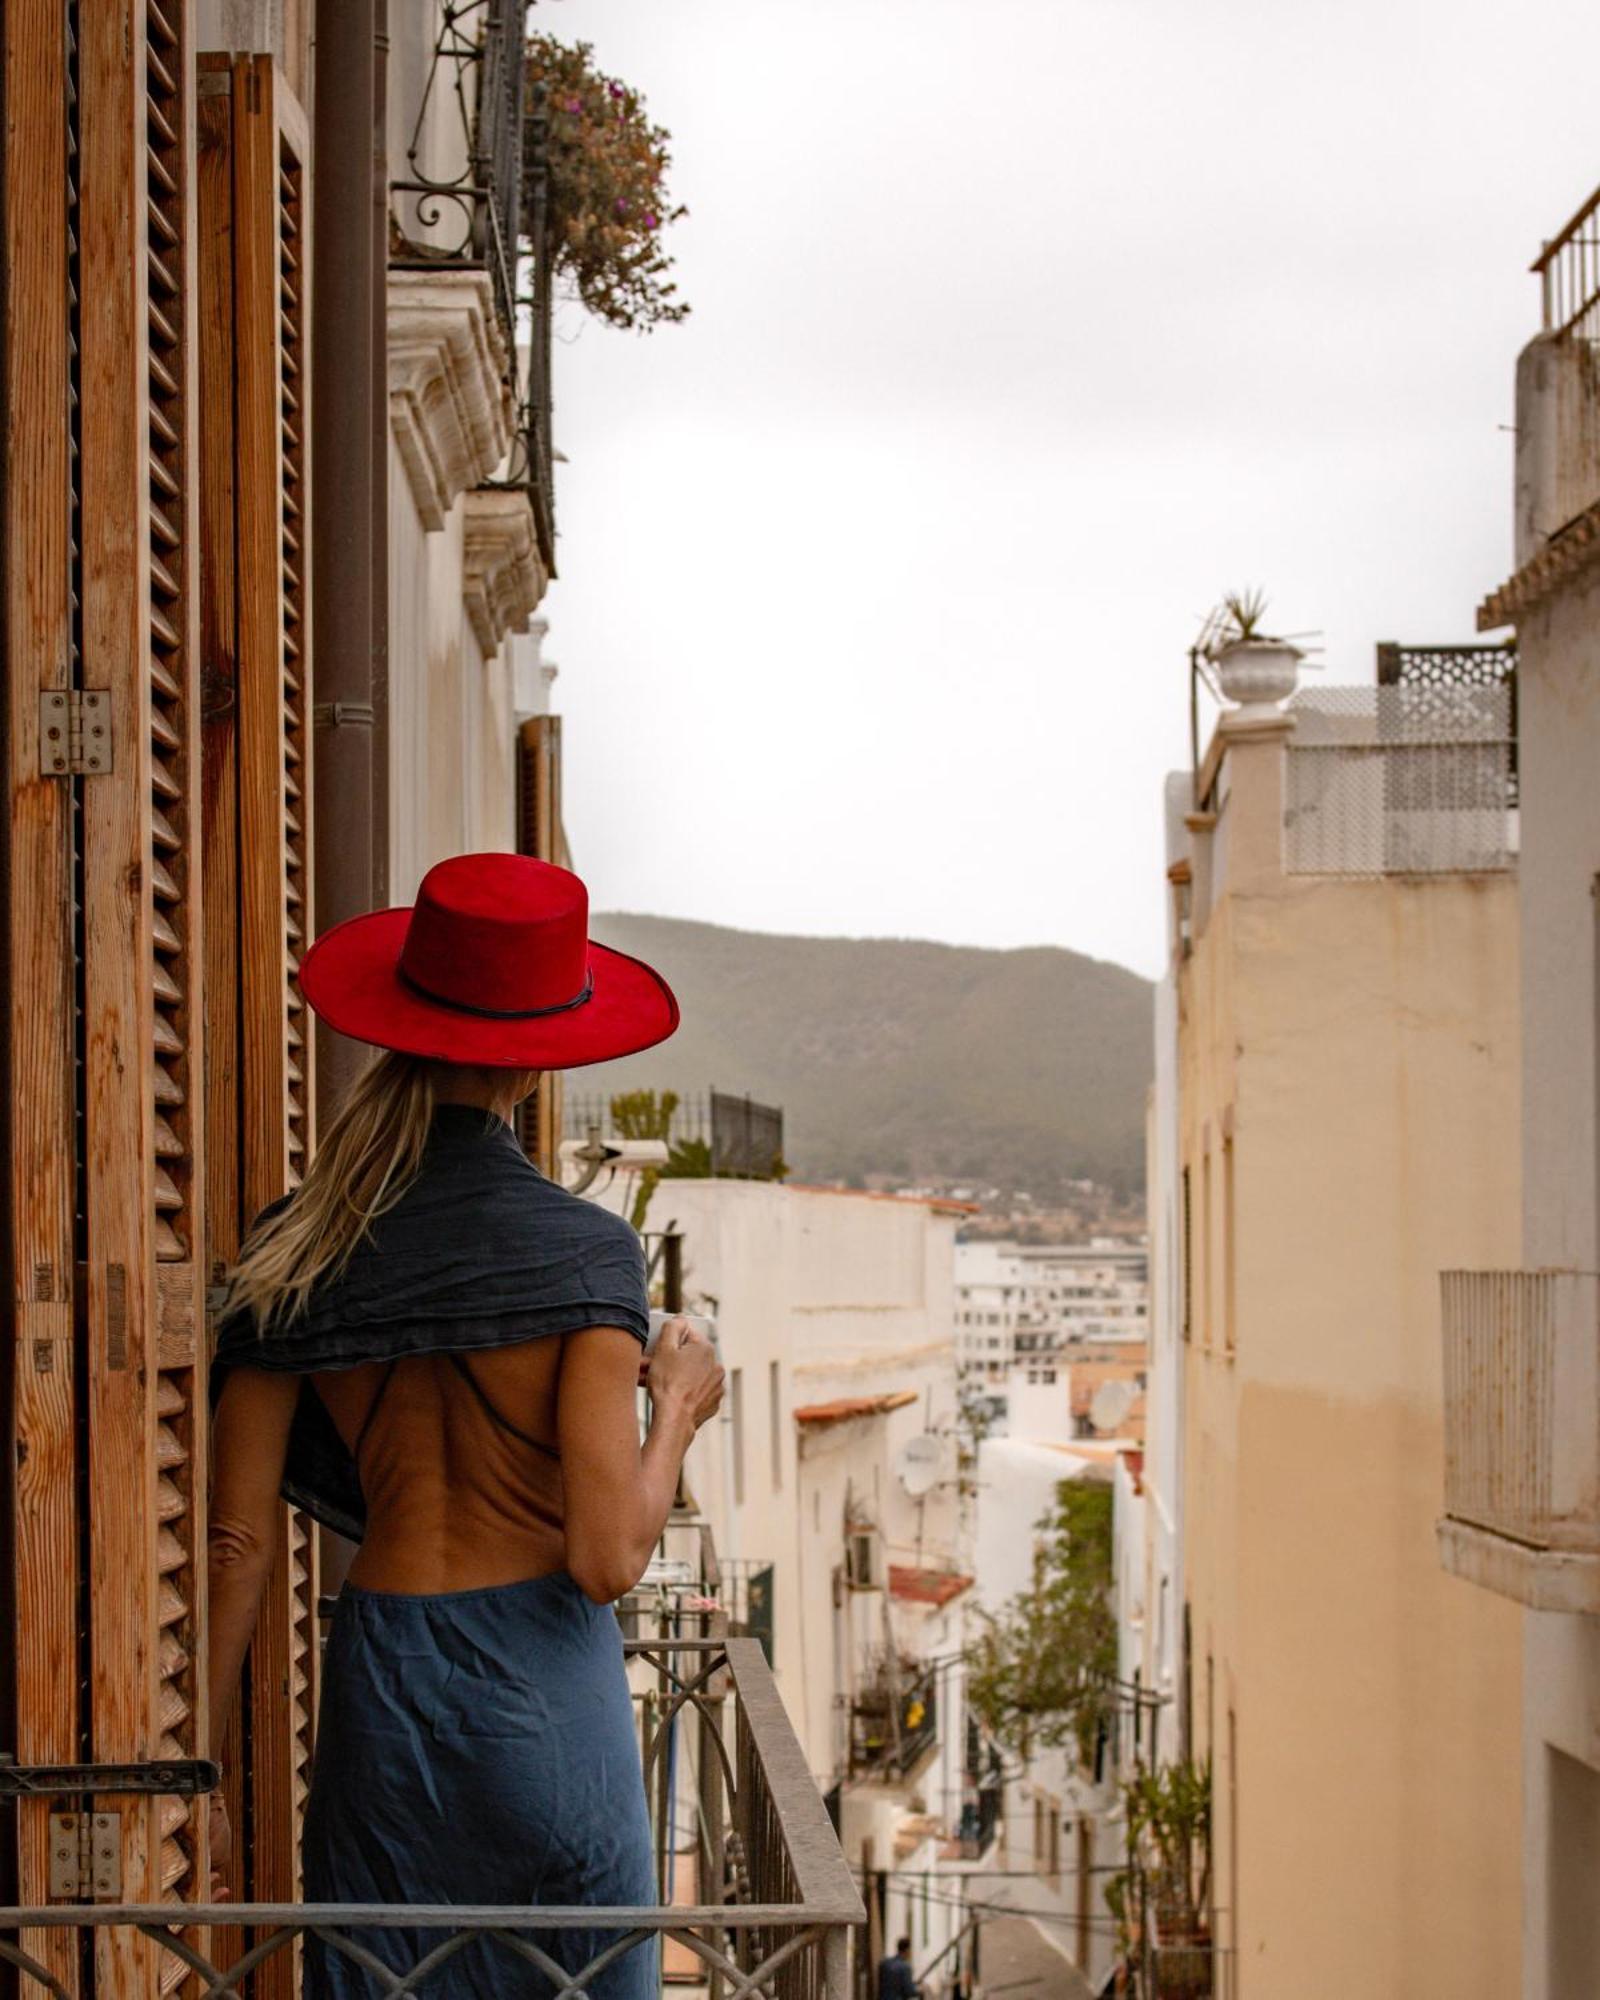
(367, 1156)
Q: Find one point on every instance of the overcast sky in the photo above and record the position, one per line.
(1022, 330)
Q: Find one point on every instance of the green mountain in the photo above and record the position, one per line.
(1024, 1069)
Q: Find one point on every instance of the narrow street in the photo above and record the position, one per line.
(1020, 1963)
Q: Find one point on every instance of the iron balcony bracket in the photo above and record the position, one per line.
(180, 1777)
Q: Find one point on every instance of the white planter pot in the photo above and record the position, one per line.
(1258, 674)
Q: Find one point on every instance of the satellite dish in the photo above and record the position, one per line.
(918, 1463)
(1110, 1404)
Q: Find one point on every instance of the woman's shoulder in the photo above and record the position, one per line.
(590, 1224)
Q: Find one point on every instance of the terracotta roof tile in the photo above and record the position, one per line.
(843, 1408)
(926, 1586)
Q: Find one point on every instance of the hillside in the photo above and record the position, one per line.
(1021, 1068)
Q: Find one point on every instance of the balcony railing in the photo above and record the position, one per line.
(717, 1134)
(765, 1840)
(894, 1723)
(468, 211)
(1569, 274)
(1522, 1434)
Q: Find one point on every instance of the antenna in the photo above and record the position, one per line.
(918, 1463)
(1110, 1404)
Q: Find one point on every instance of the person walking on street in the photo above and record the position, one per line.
(896, 1980)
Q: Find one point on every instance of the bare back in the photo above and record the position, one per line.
(459, 1462)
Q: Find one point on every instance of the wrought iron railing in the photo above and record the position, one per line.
(894, 1723)
(1569, 274)
(979, 1822)
(1522, 1404)
(468, 211)
(719, 1134)
(532, 464)
(777, 1923)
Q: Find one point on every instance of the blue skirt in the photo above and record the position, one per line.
(477, 1746)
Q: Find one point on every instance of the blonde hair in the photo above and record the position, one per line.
(367, 1156)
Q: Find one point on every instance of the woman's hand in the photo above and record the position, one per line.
(684, 1369)
(221, 1848)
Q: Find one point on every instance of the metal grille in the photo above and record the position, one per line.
(1399, 781)
(1488, 666)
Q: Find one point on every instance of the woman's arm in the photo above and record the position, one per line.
(618, 1493)
(250, 1437)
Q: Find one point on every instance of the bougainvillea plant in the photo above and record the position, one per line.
(606, 167)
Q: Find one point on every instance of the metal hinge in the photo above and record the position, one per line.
(74, 732)
(86, 1846)
(85, 1857)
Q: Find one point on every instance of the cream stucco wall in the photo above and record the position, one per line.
(1349, 1112)
(1558, 670)
(452, 725)
(820, 1296)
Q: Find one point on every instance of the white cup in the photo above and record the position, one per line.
(701, 1322)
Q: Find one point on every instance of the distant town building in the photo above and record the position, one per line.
(1040, 1308)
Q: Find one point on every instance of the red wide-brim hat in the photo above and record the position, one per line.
(493, 964)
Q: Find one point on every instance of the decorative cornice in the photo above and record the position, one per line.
(502, 578)
(449, 384)
(1569, 551)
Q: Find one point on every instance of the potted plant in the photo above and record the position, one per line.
(1255, 668)
(1169, 1824)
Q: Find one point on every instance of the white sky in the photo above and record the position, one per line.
(1021, 332)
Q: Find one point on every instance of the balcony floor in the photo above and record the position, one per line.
(1543, 1579)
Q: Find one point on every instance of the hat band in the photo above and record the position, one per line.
(498, 1013)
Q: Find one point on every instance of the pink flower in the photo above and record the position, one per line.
(615, 89)
(649, 222)
(574, 103)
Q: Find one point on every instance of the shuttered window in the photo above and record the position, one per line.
(43, 1220)
(254, 272)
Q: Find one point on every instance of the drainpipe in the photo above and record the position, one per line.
(350, 510)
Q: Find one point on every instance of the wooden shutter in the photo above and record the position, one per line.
(254, 277)
(540, 833)
(140, 849)
(38, 1151)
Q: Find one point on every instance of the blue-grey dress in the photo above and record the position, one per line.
(472, 1746)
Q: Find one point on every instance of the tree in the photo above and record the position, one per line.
(1038, 1673)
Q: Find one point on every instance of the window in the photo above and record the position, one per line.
(1229, 1288)
(736, 1411)
(775, 1414)
(1205, 1248)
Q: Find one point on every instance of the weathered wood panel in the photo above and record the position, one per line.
(119, 1000)
(142, 899)
(224, 1199)
(40, 651)
(270, 277)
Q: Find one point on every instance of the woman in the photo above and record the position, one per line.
(437, 1351)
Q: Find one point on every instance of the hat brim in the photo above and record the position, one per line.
(350, 978)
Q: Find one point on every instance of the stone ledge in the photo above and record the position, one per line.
(1543, 1579)
(502, 577)
(1567, 554)
(450, 403)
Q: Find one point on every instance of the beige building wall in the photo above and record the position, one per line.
(1349, 1112)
